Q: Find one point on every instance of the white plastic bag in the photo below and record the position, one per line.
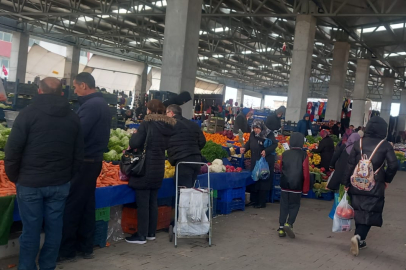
(193, 206)
(343, 215)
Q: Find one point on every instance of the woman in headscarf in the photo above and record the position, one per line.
(338, 163)
(262, 143)
(346, 135)
(325, 149)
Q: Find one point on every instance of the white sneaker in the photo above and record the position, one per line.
(355, 245)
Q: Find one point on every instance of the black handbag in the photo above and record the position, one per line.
(133, 163)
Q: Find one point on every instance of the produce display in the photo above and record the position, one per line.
(400, 156)
(118, 142)
(212, 151)
(109, 176)
(169, 170)
(6, 186)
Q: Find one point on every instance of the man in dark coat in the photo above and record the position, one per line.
(325, 149)
(368, 205)
(304, 125)
(295, 180)
(79, 221)
(256, 144)
(155, 132)
(185, 145)
(43, 153)
(273, 121)
(336, 129)
(241, 121)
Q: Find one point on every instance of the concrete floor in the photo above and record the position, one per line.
(248, 240)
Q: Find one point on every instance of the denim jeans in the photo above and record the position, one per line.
(37, 205)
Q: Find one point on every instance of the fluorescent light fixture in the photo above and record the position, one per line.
(264, 50)
(396, 25)
(276, 65)
(162, 3)
(274, 35)
(141, 7)
(203, 57)
(314, 55)
(103, 16)
(319, 44)
(372, 29)
(120, 11)
(246, 52)
(251, 67)
(220, 29)
(85, 19)
(152, 40)
(401, 53)
(224, 71)
(218, 55)
(202, 32)
(68, 22)
(134, 42)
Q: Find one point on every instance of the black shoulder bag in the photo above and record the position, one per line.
(133, 164)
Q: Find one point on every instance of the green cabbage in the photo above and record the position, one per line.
(3, 141)
(111, 155)
(2, 155)
(5, 131)
(113, 141)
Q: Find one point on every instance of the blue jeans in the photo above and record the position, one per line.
(37, 205)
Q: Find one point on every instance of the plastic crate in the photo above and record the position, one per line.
(215, 194)
(214, 208)
(238, 162)
(103, 214)
(276, 195)
(225, 208)
(327, 196)
(310, 195)
(129, 220)
(228, 195)
(276, 179)
(100, 233)
(136, 126)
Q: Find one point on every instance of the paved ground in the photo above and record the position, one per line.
(248, 240)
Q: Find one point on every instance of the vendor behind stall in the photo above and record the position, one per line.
(241, 121)
(273, 121)
(325, 149)
(256, 144)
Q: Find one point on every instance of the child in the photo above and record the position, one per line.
(295, 179)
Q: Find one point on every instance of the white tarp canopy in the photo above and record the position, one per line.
(43, 63)
(115, 74)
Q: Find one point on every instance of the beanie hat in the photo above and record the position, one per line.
(156, 106)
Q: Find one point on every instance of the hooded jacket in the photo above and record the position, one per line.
(368, 205)
(295, 176)
(45, 147)
(241, 122)
(160, 128)
(187, 140)
(304, 125)
(95, 118)
(273, 122)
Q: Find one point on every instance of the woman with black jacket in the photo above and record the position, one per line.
(368, 205)
(259, 137)
(325, 149)
(339, 161)
(155, 131)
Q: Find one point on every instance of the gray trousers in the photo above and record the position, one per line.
(290, 204)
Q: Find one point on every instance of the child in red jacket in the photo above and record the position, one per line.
(295, 180)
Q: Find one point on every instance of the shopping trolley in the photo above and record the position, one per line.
(189, 225)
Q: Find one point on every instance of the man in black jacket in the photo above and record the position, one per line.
(185, 145)
(79, 217)
(43, 153)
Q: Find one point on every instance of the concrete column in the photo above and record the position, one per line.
(402, 111)
(182, 25)
(360, 93)
(71, 64)
(298, 89)
(18, 57)
(262, 102)
(240, 97)
(388, 84)
(337, 80)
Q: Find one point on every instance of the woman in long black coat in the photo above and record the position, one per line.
(339, 162)
(325, 149)
(260, 189)
(368, 205)
(159, 128)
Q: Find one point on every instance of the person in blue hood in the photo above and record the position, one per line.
(304, 125)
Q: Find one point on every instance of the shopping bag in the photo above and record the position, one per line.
(336, 202)
(329, 178)
(343, 215)
(261, 170)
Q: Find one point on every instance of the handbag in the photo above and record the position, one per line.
(133, 163)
